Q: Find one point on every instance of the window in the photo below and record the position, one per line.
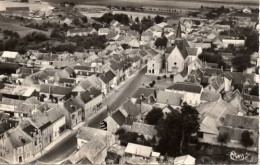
(28, 154)
(79, 113)
(73, 116)
(19, 150)
(200, 134)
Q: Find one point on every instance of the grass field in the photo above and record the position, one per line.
(21, 30)
(168, 3)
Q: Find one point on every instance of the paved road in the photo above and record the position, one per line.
(120, 96)
(61, 150)
(68, 145)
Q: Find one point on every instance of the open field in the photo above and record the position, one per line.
(21, 30)
(32, 6)
(190, 4)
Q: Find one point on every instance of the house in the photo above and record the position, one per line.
(247, 10)
(73, 112)
(93, 152)
(129, 110)
(103, 31)
(58, 120)
(192, 92)
(18, 91)
(147, 130)
(9, 56)
(115, 121)
(165, 98)
(67, 21)
(215, 84)
(108, 81)
(90, 100)
(81, 32)
(184, 160)
(90, 81)
(209, 97)
(42, 123)
(237, 79)
(235, 42)
(154, 65)
(53, 92)
(144, 94)
(235, 125)
(136, 150)
(86, 134)
(220, 28)
(16, 146)
(211, 114)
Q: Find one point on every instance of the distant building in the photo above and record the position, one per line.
(81, 32)
(17, 11)
(9, 56)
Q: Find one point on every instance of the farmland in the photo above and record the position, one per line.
(177, 4)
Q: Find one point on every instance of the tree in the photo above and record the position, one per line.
(255, 91)
(158, 19)
(120, 131)
(165, 77)
(241, 62)
(246, 139)
(223, 138)
(76, 21)
(172, 77)
(190, 123)
(84, 19)
(154, 116)
(161, 42)
(176, 129)
(137, 20)
(158, 78)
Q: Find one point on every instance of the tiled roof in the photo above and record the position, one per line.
(144, 129)
(216, 109)
(80, 67)
(169, 49)
(210, 96)
(107, 77)
(243, 122)
(212, 71)
(59, 90)
(130, 108)
(146, 92)
(166, 97)
(236, 133)
(139, 150)
(119, 117)
(184, 86)
(18, 138)
(67, 80)
(192, 51)
(92, 149)
(239, 77)
(54, 114)
(82, 30)
(71, 106)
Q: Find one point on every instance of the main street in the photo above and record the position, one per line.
(113, 101)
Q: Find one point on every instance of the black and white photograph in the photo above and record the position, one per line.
(141, 82)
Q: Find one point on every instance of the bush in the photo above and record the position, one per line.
(120, 131)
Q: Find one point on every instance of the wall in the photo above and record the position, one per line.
(56, 127)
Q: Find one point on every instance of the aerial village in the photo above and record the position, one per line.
(119, 89)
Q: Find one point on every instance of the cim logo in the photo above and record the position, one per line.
(240, 156)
